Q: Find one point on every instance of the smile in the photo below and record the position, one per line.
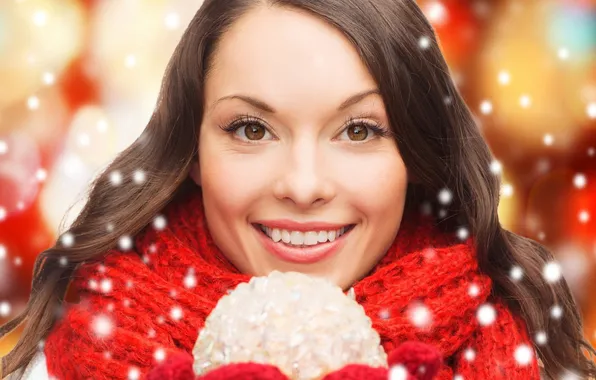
(303, 238)
(302, 246)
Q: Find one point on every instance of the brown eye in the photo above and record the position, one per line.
(357, 132)
(254, 131)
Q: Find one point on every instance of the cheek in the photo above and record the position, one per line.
(231, 180)
(376, 185)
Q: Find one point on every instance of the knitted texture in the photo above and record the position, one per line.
(139, 307)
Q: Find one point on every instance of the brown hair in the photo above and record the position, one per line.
(435, 132)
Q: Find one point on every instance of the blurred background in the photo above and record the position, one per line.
(79, 80)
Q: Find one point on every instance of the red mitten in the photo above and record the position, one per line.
(421, 360)
(242, 371)
(358, 372)
(179, 367)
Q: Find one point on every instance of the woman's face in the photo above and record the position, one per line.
(298, 170)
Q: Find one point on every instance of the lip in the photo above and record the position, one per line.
(306, 255)
(286, 224)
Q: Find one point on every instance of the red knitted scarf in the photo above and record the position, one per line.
(141, 306)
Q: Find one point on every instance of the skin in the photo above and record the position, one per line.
(302, 164)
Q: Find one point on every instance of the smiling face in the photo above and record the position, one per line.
(296, 160)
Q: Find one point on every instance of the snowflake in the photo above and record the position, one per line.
(139, 177)
(580, 181)
(102, 325)
(398, 372)
(63, 261)
(384, 314)
(486, 107)
(160, 354)
(523, 355)
(470, 354)
(445, 196)
(116, 178)
(176, 313)
(486, 314)
(159, 223)
(106, 285)
(420, 316)
(496, 167)
(134, 373)
(463, 233)
(4, 309)
(556, 311)
(125, 243)
(552, 272)
(473, 290)
(541, 338)
(67, 239)
(190, 281)
(516, 273)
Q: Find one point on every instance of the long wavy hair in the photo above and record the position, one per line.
(435, 133)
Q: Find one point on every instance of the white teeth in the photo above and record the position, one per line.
(322, 237)
(331, 235)
(296, 238)
(311, 238)
(285, 236)
(302, 238)
(276, 235)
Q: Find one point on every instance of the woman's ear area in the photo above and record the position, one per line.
(195, 172)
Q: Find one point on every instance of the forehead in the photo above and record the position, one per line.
(288, 58)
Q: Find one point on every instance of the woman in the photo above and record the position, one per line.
(312, 136)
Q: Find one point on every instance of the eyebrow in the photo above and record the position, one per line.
(354, 99)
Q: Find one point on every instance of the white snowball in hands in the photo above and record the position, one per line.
(305, 326)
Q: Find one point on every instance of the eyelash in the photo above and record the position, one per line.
(378, 129)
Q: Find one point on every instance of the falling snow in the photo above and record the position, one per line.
(125, 243)
(552, 272)
(116, 178)
(67, 239)
(398, 372)
(541, 338)
(134, 374)
(384, 314)
(486, 107)
(102, 326)
(445, 196)
(470, 354)
(516, 273)
(486, 314)
(176, 313)
(463, 233)
(580, 181)
(139, 177)
(160, 354)
(496, 167)
(523, 355)
(556, 312)
(420, 316)
(106, 285)
(159, 223)
(4, 309)
(474, 290)
(424, 42)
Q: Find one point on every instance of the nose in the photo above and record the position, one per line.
(304, 178)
